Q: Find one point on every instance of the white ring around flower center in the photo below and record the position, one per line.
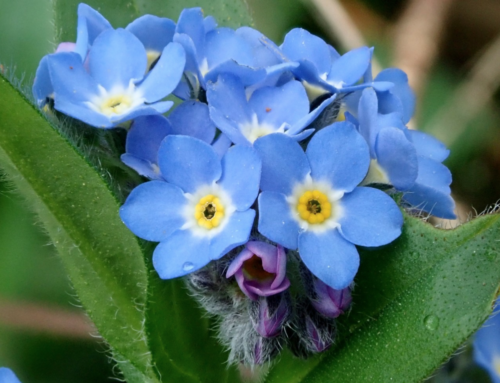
(189, 212)
(334, 197)
(117, 101)
(254, 129)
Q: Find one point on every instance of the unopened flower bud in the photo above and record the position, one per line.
(330, 302)
(319, 336)
(269, 315)
(260, 270)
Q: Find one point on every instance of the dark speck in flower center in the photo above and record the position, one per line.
(313, 206)
(209, 211)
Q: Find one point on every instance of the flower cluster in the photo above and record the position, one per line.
(276, 165)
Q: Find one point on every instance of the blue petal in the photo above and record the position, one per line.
(350, 67)
(235, 234)
(42, 87)
(7, 376)
(144, 168)
(117, 57)
(187, 43)
(338, 154)
(188, 162)
(263, 48)
(145, 136)
(191, 118)
(310, 117)
(154, 32)
(180, 254)
(299, 45)
(284, 163)
(278, 105)
(276, 221)
(370, 217)
(398, 157)
(191, 24)
(428, 146)
(223, 44)
(329, 257)
(229, 107)
(221, 144)
(165, 75)
(246, 74)
(401, 89)
(95, 23)
(241, 169)
(153, 210)
(388, 102)
(367, 115)
(431, 192)
(209, 23)
(70, 80)
(82, 113)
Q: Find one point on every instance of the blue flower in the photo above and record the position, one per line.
(268, 110)
(406, 159)
(115, 88)
(7, 376)
(487, 345)
(153, 32)
(393, 155)
(311, 201)
(190, 118)
(202, 211)
(322, 69)
(211, 51)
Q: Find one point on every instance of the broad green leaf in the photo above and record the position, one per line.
(416, 301)
(182, 344)
(102, 257)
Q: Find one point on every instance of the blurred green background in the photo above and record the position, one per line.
(451, 57)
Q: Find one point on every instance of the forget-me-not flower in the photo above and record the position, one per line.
(311, 201)
(211, 51)
(202, 211)
(322, 69)
(114, 88)
(283, 109)
(191, 118)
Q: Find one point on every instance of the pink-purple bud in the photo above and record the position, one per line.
(318, 340)
(271, 314)
(330, 302)
(260, 270)
(66, 47)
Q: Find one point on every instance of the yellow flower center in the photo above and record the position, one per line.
(314, 207)
(116, 104)
(209, 212)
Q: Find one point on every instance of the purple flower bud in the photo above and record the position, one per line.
(318, 340)
(330, 302)
(260, 270)
(269, 314)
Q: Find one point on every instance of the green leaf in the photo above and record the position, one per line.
(230, 13)
(101, 256)
(182, 338)
(416, 301)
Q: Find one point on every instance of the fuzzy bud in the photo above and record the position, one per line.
(330, 302)
(270, 314)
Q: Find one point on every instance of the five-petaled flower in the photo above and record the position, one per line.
(202, 209)
(311, 201)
